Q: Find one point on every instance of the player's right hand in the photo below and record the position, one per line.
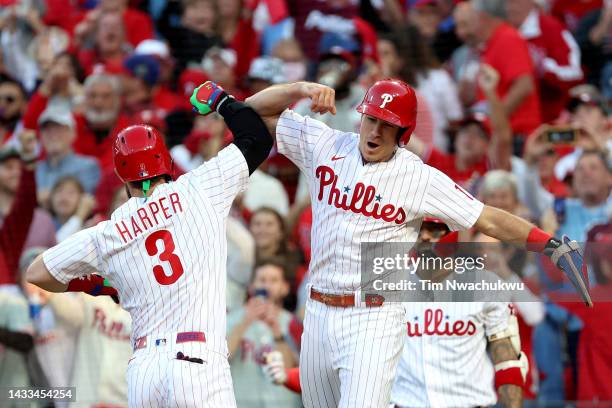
(274, 369)
(323, 98)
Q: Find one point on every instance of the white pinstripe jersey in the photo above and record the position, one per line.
(354, 202)
(444, 362)
(165, 255)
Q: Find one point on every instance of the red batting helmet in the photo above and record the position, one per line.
(448, 237)
(392, 101)
(139, 153)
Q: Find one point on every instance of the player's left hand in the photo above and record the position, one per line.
(207, 97)
(568, 258)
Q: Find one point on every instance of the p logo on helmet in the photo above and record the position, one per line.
(386, 99)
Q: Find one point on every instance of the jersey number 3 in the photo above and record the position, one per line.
(167, 255)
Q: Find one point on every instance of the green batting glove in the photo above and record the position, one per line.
(206, 98)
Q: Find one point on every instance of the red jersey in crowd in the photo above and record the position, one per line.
(595, 345)
(556, 57)
(91, 60)
(570, 12)
(16, 226)
(447, 163)
(314, 17)
(504, 40)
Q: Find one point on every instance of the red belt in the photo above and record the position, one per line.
(347, 300)
(183, 337)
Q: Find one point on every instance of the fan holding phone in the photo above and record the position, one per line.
(257, 328)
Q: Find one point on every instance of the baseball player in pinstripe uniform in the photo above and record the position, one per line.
(365, 188)
(444, 361)
(164, 251)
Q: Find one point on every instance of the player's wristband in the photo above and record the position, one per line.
(93, 285)
(537, 240)
(508, 376)
(293, 380)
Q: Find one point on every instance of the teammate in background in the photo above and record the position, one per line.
(364, 188)
(102, 351)
(67, 327)
(55, 333)
(455, 370)
(255, 329)
(164, 251)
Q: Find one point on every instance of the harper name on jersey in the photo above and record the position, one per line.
(146, 216)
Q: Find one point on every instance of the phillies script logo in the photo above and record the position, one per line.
(361, 199)
(436, 324)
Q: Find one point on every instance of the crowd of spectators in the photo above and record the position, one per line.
(514, 105)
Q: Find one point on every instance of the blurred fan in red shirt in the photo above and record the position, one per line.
(569, 12)
(554, 51)
(485, 30)
(110, 47)
(138, 26)
(595, 344)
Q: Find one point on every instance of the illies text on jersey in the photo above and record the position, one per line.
(149, 216)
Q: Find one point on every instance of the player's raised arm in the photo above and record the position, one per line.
(459, 210)
(272, 101)
(564, 253)
(251, 135)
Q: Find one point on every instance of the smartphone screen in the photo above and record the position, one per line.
(561, 135)
(262, 292)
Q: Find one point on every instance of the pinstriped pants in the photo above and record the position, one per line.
(349, 356)
(158, 379)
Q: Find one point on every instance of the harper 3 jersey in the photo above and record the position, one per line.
(162, 254)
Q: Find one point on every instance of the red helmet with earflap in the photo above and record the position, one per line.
(394, 102)
(139, 153)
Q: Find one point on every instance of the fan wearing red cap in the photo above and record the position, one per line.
(365, 188)
(165, 253)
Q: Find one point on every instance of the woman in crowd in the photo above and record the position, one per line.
(70, 206)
